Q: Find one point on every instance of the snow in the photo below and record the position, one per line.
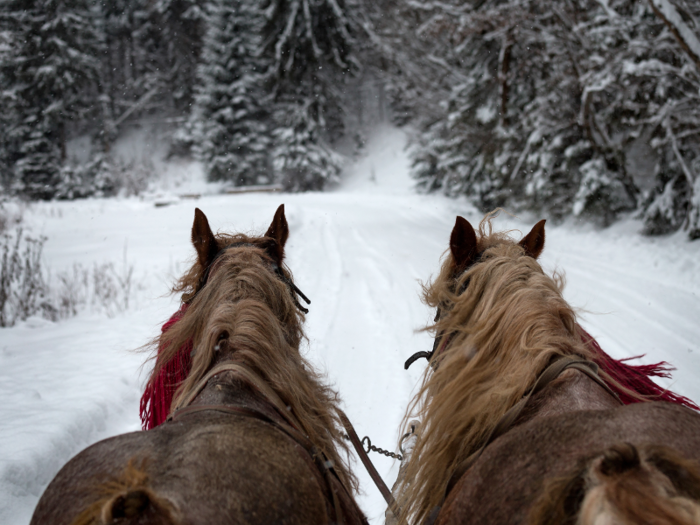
(358, 252)
(671, 15)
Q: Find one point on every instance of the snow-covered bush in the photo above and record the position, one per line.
(693, 224)
(103, 176)
(103, 288)
(23, 288)
(600, 195)
(27, 289)
(11, 212)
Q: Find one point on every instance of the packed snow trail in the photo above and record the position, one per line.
(359, 253)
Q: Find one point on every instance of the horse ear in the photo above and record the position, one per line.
(203, 239)
(279, 231)
(463, 243)
(533, 242)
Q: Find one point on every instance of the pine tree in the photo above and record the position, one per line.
(10, 24)
(51, 75)
(586, 108)
(180, 31)
(309, 46)
(230, 120)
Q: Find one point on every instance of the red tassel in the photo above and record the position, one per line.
(635, 377)
(158, 395)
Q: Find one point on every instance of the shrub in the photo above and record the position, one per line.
(23, 288)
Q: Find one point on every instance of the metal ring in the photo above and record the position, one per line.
(369, 444)
(407, 434)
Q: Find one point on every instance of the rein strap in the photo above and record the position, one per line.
(371, 469)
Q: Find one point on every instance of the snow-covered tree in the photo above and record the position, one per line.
(9, 26)
(180, 29)
(585, 107)
(309, 47)
(231, 123)
(302, 158)
(152, 52)
(673, 77)
(51, 75)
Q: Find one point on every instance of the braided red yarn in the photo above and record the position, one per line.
(159, 392)
(635, 377)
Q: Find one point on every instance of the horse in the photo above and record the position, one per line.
(251, 434)
(524, 419)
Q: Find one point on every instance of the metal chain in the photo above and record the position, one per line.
(370, 447)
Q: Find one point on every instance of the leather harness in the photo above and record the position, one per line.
(552, 372)
(341, 506)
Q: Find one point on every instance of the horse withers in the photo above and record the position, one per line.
(252, 432)
(524, 419)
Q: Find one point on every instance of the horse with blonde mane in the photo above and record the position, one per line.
(242, 429)
(524, 419)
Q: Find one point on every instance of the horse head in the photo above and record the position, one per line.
(499, 322)
(241, 306)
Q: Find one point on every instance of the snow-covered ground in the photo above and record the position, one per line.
(359, 252)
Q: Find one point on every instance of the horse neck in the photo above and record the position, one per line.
(226, 389)
(572, 391)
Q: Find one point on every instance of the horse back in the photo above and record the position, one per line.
(210, 469)
(512, 473)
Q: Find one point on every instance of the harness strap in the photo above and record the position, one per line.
(288, 424)
(253, 379)
(504, 424)
(371, 469)
(218, 258)
(318, 460)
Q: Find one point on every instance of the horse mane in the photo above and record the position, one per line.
(506, 328)
(624, 484)
(247, 311)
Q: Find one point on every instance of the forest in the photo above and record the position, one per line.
(578, 108)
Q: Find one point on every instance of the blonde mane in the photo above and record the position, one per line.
(506, 326)
(246, 311)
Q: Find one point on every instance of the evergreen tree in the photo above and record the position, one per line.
(51, 75)
(309, 46)
(230, 121)
(152, 52)
(10, 25)
(583, 108)
(180, 30)
(302, 158)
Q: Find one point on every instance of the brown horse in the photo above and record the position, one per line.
(253, 433)
(518, 424)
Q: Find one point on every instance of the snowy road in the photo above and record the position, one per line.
(358, 252)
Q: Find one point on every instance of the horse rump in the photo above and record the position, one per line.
(624, 485)
(128, 499)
